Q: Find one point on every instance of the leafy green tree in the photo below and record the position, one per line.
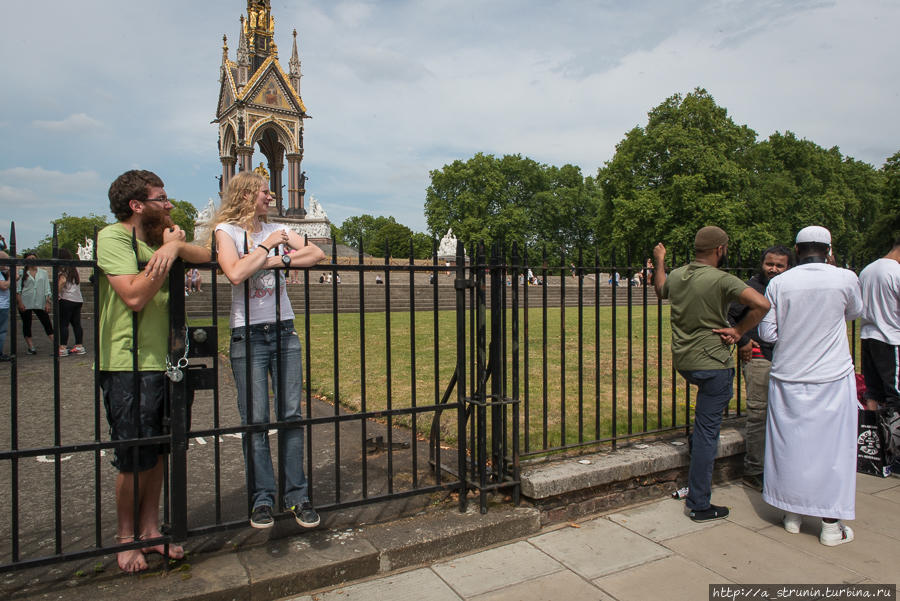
(885, 228)
(513, 199)
(184, 214)
(70, 232)
(336, 234)
(374, 232)
(684, 170)
(795, 183)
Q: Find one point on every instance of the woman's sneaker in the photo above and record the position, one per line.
(32, 350)
(835, 533)
(261, 517)
(63, 351)
(305, 515)
(792, 522)
(77, 350)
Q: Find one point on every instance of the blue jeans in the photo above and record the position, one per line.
(714, 391)
(263, 366)
(4, 324)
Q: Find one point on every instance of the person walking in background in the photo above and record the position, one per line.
(810, 458)
(34, 299)
(70, 302)
(700, 294)
(4, 305)
(195, 280)
(756, 359)
(880, 343)
(255, 339)
(294, 273)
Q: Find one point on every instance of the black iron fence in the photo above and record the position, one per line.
(540, 354)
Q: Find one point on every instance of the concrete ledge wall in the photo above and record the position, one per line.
(565, 489)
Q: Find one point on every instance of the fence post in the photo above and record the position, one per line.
(460, 285)
(178, 398)
(495, 360)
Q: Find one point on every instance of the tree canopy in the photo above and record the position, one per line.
(512, 198)
(377, 234)
(72, 231)
(691, 165)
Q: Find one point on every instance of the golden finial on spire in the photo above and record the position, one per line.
(224, 42)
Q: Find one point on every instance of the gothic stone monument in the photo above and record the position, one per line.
(260, 105)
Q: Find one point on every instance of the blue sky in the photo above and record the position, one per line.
(398, 88)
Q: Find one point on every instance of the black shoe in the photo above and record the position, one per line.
(261, 517)
(754, 481)
(713, 512)
(5, 357)
(305, 515)
(32, 351)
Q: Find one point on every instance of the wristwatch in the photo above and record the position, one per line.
(286, 259)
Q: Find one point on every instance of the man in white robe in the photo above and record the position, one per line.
(810, 460)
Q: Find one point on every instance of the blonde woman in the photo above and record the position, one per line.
(240, 220)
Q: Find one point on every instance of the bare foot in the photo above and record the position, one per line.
(175, 551)
(131, 561)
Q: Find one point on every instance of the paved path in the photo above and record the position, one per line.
(652, 551)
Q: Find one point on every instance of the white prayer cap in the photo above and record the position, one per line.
(814, 233)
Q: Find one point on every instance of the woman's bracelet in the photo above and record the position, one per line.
(266, 248)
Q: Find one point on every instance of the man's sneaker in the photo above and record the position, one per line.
(261, 517)
(713, 512)
(305, 515)
(63, 351)
(835, 534)
(792, 522)
(77, 350)
(754, 481)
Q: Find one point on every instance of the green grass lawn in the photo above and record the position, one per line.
(576, 405)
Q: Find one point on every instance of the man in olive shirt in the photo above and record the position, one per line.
(699, 295)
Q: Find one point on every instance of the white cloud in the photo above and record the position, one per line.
(77, 123)
(33, 191)
(398, 88)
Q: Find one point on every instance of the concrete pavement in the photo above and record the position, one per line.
(653, 551)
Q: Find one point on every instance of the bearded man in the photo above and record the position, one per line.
(700, 294)
(133, 397)
(755, 355)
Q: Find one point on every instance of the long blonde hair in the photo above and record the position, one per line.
(239, 203)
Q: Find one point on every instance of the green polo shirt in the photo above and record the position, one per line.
(116, 256)
(699, 296)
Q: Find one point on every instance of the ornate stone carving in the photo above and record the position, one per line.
(86, 252)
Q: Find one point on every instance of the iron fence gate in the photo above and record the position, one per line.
(352, 458)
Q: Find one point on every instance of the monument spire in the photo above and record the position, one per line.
(224, 58)
(294, 66)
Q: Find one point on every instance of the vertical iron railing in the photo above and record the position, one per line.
(517, 394)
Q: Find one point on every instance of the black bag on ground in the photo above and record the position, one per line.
(870, 446)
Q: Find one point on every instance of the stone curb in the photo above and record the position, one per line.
(281, 567)
(295, 565)
(590, 471)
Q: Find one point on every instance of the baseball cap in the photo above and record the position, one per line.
(814, 233)
(710, 237)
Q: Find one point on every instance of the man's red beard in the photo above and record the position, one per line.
(154, 221)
